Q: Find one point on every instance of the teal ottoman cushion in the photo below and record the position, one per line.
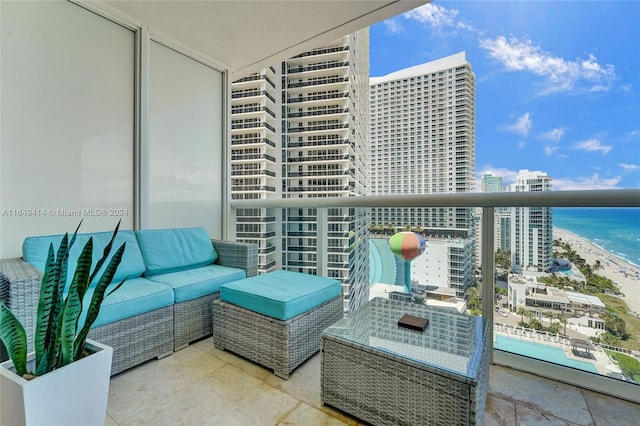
(172, 250)
(194, 283)
(281, 294)
(136, 296)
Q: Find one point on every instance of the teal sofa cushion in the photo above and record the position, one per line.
(136, 296)
(281, 294)
(172, 250)
(193, 283)
(36, 249)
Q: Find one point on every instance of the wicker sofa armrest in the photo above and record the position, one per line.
(20, 291)
(238, 255)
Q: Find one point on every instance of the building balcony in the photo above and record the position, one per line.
(251, 94)
(316, 66)
(318, 82)
(317, 128)
(320, 158)
(323, 97)
(326, 111)
(326, 142)
(238, 140)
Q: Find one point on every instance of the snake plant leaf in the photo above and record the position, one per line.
(47, 317)
(14, 338)
(105, 253)
(96, 300)
(73, 305)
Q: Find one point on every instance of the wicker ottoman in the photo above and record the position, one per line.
(274, 329)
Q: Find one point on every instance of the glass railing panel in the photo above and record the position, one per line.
(579, 309)
(570, 315)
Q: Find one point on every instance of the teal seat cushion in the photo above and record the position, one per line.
(136, 296)
(36, 249)
(172, 250)
(193, 283)
(281, 294)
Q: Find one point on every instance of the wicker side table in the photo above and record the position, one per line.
(388, 375)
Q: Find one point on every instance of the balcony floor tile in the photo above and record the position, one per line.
(201, 385)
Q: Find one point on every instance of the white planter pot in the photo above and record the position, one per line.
(75, 394)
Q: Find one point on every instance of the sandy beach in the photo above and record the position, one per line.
(616, 269)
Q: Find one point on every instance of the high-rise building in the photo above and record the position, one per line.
(531, 227)
(256, 171)
(423, 142)
(313, 142)
(491, 183)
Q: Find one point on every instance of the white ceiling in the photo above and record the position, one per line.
(247, 35)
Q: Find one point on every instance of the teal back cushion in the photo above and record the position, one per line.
(36, 249)
(172, 250)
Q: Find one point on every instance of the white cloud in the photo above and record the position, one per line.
(438, 18)
(549, 150)
(585, 183)
(554, 134)
(560, 75)
(434, 15)
(629, 167)
(593, 145)
(631, 135)
(393, 25)
(522, 125)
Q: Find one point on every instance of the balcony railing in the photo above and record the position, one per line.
(488, 202)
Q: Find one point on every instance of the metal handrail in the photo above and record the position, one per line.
(581, 198)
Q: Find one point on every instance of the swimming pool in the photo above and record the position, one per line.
(540, 351)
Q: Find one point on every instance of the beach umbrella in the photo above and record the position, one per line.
(407, 246)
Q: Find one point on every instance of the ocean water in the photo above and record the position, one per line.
(616, 230)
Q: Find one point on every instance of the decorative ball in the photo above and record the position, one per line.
(407, 245)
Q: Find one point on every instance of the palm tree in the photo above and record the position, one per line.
(563, 321)
(521, 311)
(549, 315)
(597, 266)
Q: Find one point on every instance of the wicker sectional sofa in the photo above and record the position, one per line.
(173, 276)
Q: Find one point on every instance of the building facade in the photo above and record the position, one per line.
(256, 171)
(531, 243)
(320, 133)
(423, 142)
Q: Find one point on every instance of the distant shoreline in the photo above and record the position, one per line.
(616, 268)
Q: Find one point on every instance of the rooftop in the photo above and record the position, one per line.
(458, 59)
(202, 385)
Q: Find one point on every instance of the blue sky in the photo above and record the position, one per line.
(557, 82)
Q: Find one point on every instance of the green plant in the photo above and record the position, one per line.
(59, 339)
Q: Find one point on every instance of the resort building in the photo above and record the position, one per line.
(524, 291)
(306, 139)
(531, 227)
(423, 142)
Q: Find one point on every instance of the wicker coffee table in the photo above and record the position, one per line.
(385, 374)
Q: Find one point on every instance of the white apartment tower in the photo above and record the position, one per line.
(321, 149)
(256, 171)
(531, 227)
(423, 142)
